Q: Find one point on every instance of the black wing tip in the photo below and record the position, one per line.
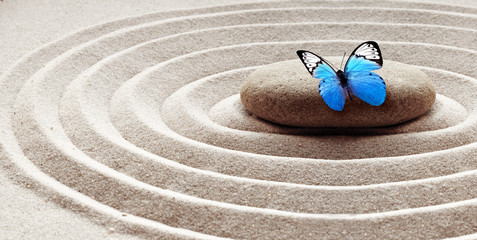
(380, 62)
(374, 43)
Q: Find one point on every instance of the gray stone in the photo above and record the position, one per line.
(285, 93)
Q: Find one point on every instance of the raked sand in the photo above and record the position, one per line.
(131, 126)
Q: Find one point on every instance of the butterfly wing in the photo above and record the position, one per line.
(363, 83)
(316, 65)
(366, 57)
(368, 86)
(330, 89)
(332, 93)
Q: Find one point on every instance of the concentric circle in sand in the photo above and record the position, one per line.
(139, 121)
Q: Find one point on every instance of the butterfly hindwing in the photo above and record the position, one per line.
(330, 88)
(332, 93)
(367, 86)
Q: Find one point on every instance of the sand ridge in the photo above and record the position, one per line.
(114, 117)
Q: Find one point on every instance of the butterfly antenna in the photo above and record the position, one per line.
(342, 60)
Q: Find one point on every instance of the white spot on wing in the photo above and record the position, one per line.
(368, 51)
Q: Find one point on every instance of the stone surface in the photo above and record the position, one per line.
(285, 93)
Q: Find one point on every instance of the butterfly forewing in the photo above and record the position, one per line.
(315, 65)
(309, 59)
(330, 88)
(366, 57)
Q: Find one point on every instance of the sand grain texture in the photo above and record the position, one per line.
(137, 124)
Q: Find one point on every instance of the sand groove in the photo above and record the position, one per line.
(139, 120)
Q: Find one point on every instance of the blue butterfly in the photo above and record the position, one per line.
(356, 79)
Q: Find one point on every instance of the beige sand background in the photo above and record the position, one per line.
(28, 211)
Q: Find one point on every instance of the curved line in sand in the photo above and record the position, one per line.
(182, 97)
(93, 124)
(198, 108)
(158, 67)
(431, 208)
(39, 77)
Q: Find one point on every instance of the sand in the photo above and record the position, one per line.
(124, 129)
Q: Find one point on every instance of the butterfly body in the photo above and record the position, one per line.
(356, 79)
(342, 77)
